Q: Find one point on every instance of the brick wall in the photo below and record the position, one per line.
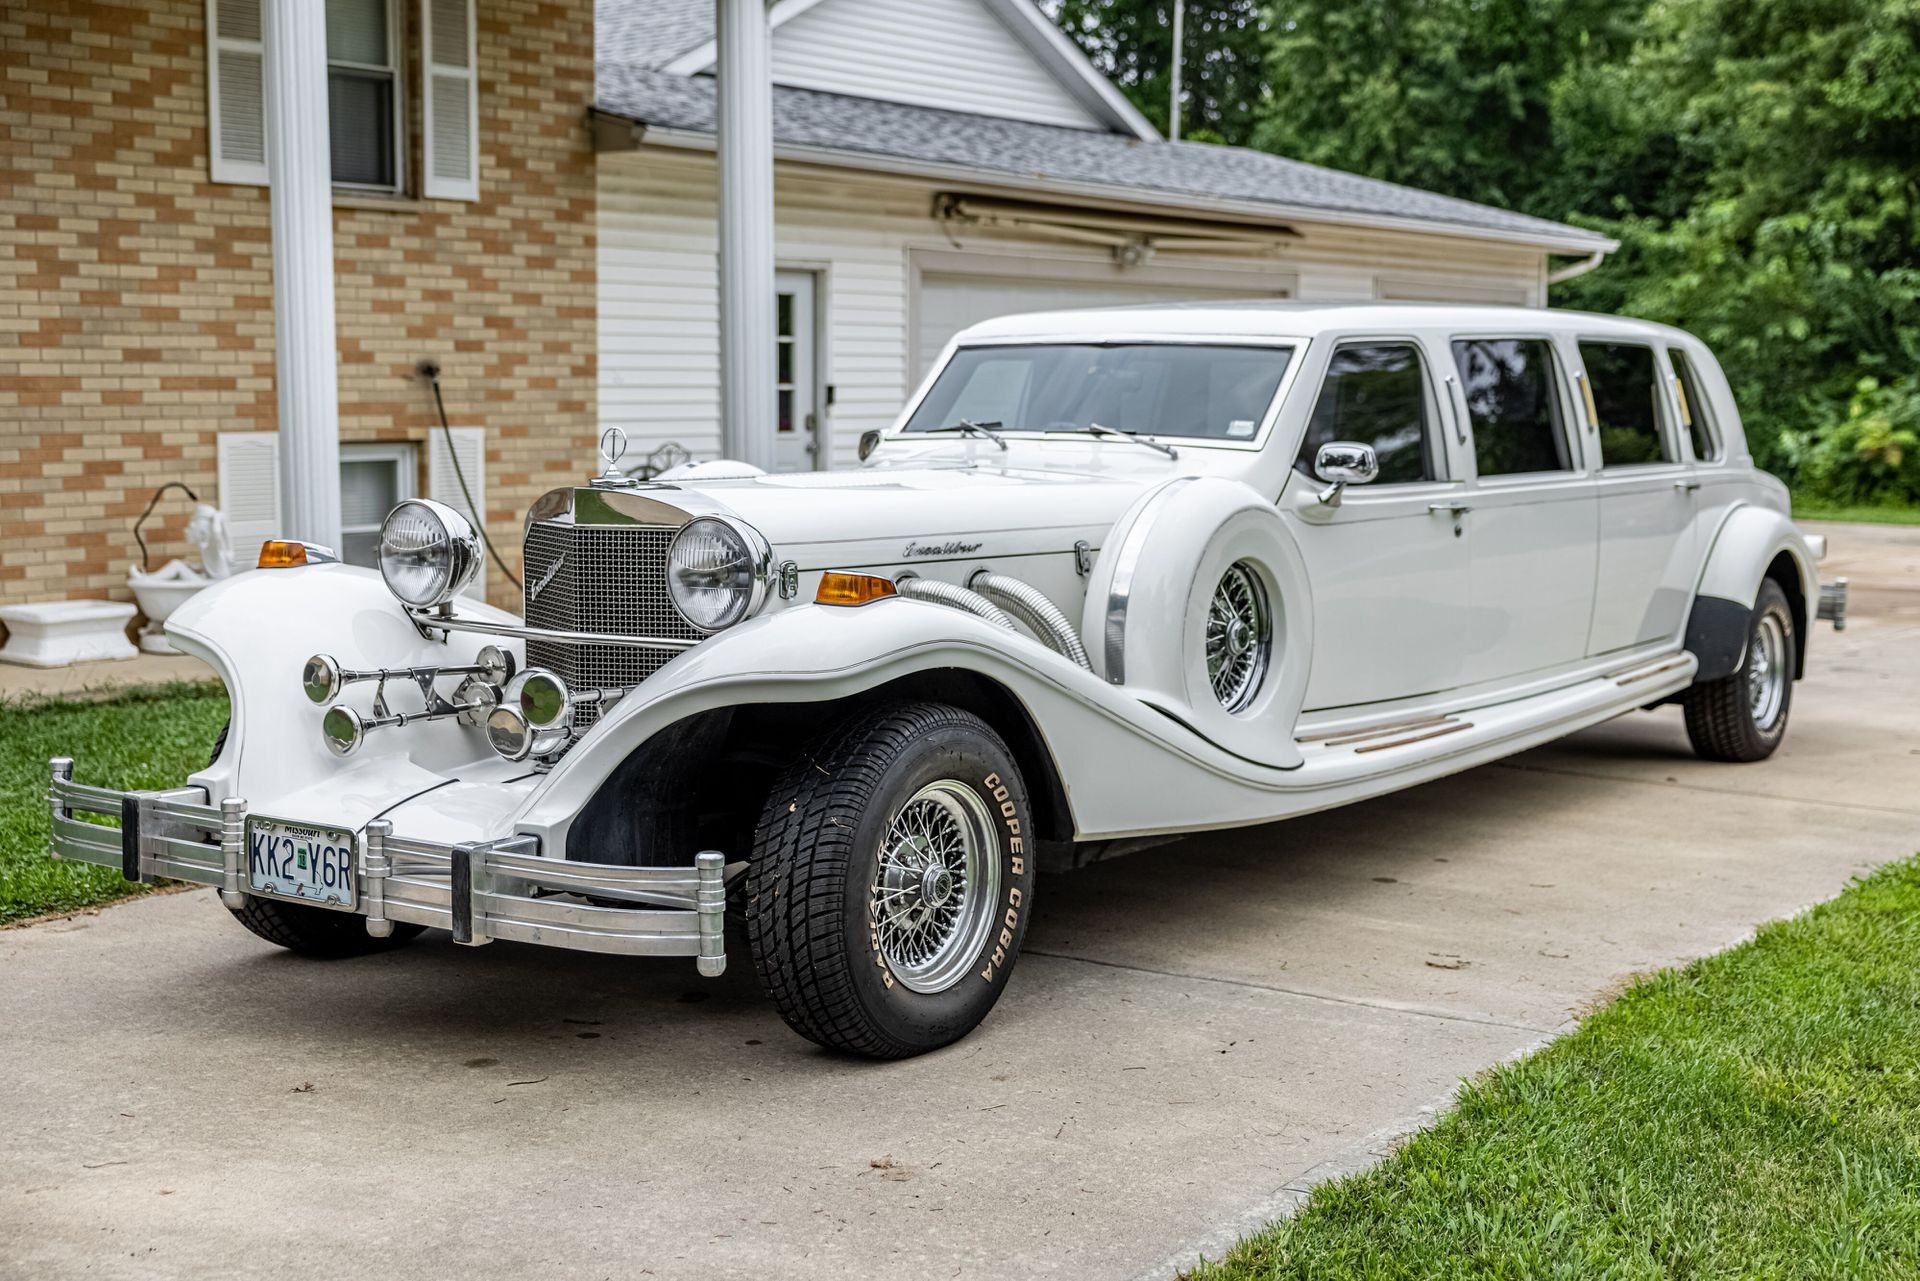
(136, 311)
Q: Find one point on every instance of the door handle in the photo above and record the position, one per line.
(1452, 507)
(1686, 486)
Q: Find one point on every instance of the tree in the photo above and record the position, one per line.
(1223, 80)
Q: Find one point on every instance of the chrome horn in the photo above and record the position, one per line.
(344, 729)
(322, 678)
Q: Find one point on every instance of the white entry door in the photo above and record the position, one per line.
(797, 424)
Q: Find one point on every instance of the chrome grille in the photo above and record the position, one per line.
(614, 580)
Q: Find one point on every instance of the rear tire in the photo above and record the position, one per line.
(891, 881)
(1743, 717)
(311, 931)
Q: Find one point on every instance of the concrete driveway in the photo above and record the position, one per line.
(1194, 1034)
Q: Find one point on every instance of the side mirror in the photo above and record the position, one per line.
(1341, 463)
(869, 441)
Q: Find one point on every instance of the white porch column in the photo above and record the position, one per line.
(300, 174)
(745, 133)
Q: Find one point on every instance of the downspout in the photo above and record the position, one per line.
(1580, 268)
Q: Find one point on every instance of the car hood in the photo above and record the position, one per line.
(887, 514)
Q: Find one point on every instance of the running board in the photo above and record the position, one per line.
(1413, 743)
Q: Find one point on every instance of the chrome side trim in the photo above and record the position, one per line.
(1126, 561)
(430, 621)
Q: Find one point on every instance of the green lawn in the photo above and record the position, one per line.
(144, 738)
(1859, 515)
(1756, 1114)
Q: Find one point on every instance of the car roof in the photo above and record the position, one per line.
(1260, 318)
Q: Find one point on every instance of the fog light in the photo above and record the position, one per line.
(321, 679)
(542, 697)
(343, 729)
(508, 733)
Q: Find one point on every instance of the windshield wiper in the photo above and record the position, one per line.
(972, 428)
(1096, 429)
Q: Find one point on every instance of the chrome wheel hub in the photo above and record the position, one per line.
(1767, 673)
(936, 886)
(1239, 637)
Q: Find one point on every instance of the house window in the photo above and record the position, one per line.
(373, 480)
(367, 109)
(363, 92)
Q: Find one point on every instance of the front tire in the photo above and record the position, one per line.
(318, 932)
(1743, 717)
(891, 881)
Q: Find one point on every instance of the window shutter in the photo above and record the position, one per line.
(451, 166)
(249, 479)
(443, 483)
(236, 92)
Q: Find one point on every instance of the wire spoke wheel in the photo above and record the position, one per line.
(936, 884)
(1239, 639)
(1767, 672)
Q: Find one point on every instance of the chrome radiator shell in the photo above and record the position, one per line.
(610, 579)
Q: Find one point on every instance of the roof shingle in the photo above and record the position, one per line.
(1022, 150)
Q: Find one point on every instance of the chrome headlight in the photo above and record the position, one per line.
(717, 571)
(429, 552)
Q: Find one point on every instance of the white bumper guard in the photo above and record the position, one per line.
(501, 889)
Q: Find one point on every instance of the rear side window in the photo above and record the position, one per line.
(1375, 394)
(1694, 409)
(1511, 403)
(1621, 378)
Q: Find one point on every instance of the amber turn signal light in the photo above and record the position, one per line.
(281, 553)
(837, 588)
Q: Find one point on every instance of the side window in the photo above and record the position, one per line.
(1694, 408)
(1511, 402)
(1626, 403)
(1374, 394)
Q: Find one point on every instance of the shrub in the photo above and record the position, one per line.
(1869, 458)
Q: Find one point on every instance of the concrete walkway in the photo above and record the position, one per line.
(99, 680)
(1196, 1033)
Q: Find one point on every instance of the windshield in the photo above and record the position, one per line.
(1156, 389)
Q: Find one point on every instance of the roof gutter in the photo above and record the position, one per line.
(833, 158)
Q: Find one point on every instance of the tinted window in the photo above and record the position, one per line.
(1626, 403)
(1158, 389)
(1510, 400)
(1694, 410)
(1375, 395)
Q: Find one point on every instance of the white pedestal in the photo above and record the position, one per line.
(62, 632)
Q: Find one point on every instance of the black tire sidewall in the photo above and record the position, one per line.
(977, 759)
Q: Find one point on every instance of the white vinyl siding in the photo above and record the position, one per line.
(443, 483)
(934, 53)
(236, 92)
(451, 103)
(871, 244)
(249, 497)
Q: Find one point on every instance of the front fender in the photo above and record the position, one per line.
(1102, 739)
(1745, 545)
(257, 630)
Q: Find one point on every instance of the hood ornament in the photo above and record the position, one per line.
(613, 444)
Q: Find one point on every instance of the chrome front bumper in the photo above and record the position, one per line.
(499, 889)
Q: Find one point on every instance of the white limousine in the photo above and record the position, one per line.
(1112, 575)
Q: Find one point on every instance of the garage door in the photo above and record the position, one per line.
(950, 301)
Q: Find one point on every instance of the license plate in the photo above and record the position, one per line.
(300, 861)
